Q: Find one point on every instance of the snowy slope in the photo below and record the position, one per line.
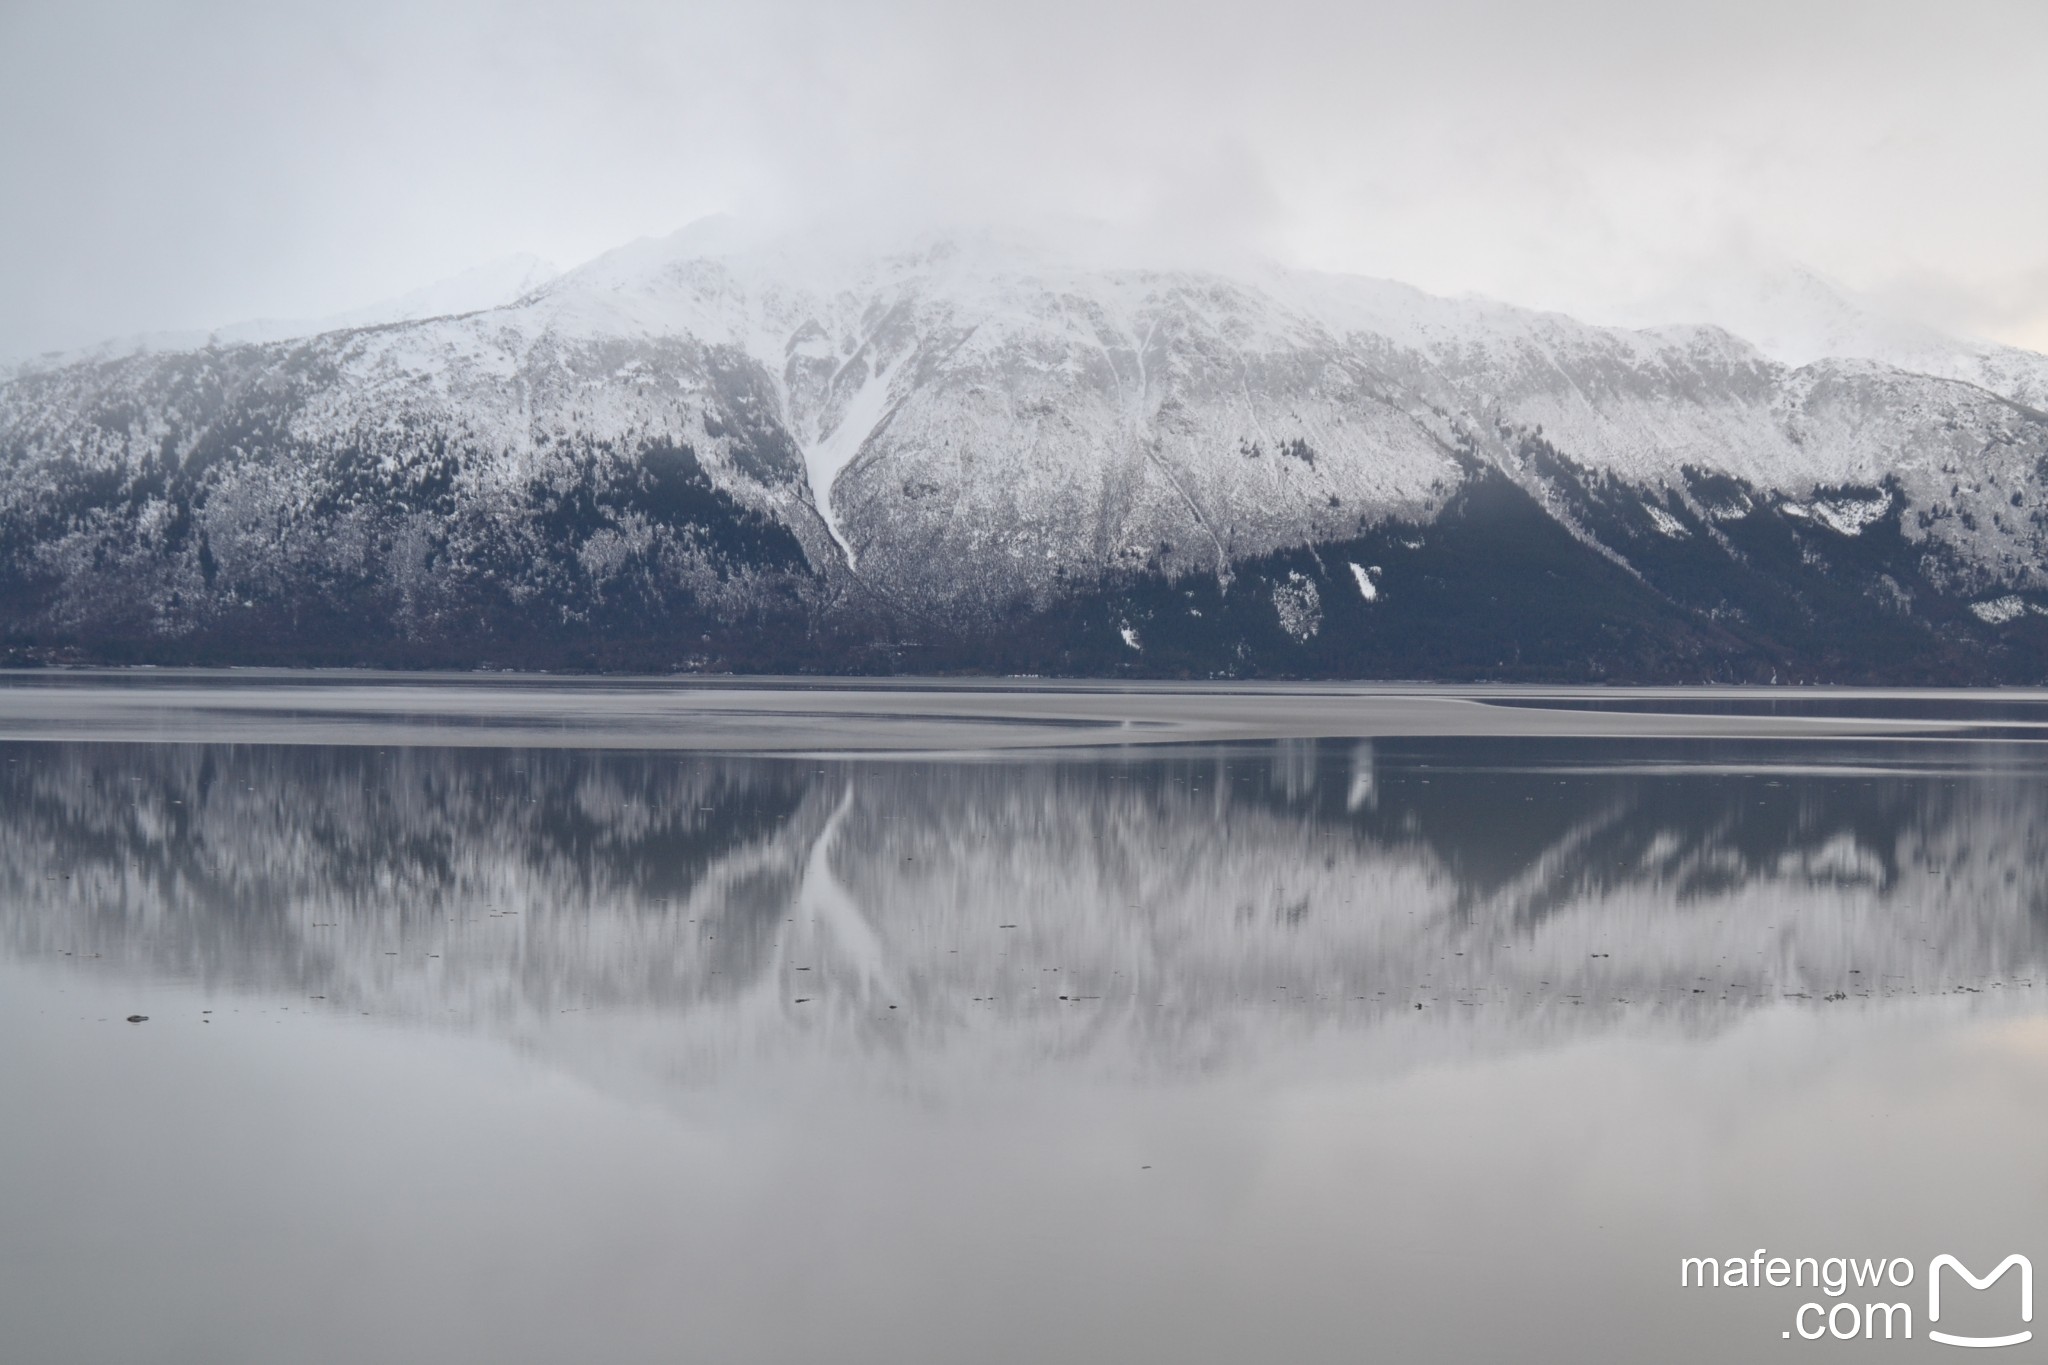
(1025, 419)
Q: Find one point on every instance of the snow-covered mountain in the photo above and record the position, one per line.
(988, 452)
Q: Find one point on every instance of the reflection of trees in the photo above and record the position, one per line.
(1171, 896)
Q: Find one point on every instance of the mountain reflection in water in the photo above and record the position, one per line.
(1409, 1051)
(1146, 912)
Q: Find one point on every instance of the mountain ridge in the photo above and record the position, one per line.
(490, 285)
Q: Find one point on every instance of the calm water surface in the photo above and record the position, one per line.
(1367, 1047)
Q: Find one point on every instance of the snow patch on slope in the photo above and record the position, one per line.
(1999, 610)
(826, 456)
(1666, 523)
(1299, 606)
(1844, 516)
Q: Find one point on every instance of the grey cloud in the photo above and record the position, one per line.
(176, 165)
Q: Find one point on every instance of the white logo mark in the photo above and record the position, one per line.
(1934, 1298)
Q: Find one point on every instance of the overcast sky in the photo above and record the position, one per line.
(185, 165)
